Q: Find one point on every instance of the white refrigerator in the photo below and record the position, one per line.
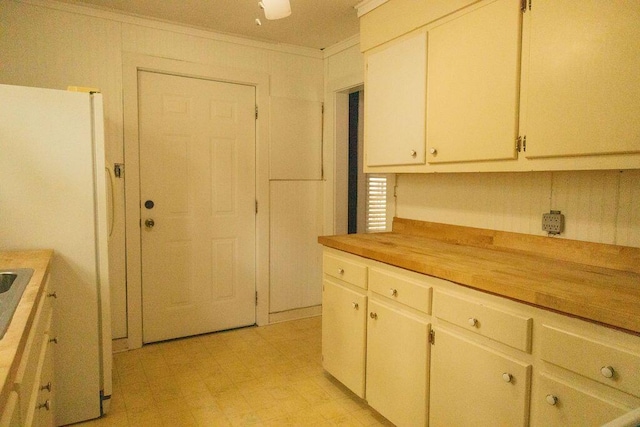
(53, 195)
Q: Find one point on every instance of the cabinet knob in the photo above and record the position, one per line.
(414, 153)
(46, 405)
(472, 321)
(53, 340)
(47, 387)
(373, 315)
(393, 292)
(340, 271)
(433, 151)
(551, 399)
(52, 295)
(507, 377)
(607, 371)
(354, 305)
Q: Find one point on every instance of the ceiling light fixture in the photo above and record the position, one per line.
(275, 9)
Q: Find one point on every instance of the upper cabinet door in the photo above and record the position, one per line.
(583, 84)
(473, 80)
(395, 103)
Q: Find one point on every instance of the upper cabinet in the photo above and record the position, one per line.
(473, 80)
(584, 89)
(394, 122)
(507, 85)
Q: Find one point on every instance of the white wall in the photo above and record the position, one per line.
(344, 72)
(599, 206)
(48, 44)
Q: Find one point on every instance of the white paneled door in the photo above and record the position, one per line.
(197, 205)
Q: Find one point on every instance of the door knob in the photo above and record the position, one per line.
(149, 223)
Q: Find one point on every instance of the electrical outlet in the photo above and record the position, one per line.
(553, 222)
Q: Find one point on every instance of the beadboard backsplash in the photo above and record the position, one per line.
(599, 206)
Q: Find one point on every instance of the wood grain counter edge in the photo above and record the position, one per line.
(14, 340)
(608, 296)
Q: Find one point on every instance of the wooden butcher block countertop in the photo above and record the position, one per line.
(596, 282)
(14, 340)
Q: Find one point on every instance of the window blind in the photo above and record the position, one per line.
(376, 205)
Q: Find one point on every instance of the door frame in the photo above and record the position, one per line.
(132, 64)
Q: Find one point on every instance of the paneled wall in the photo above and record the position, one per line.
(599, 206)
(296, 257)
(48, 44)
(344, 73)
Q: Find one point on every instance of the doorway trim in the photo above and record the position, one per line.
(132, 64)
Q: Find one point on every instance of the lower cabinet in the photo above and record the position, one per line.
(468, 358)
(474, 385)
(558, 403)
(10, 416)
(344, 334)
(34, 377)
(397, 364)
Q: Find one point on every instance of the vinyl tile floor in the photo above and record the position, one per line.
(256, 376)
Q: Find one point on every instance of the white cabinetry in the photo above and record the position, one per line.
(398, 347)
(472, 384)
(34, 377)
(344, 310)
(394, 125)
(492, 361)
(583, 86)
(545, 78)
(473, 83)
(10, 416)
(586, 379)
(472, 381)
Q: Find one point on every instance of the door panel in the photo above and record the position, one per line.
(197, 167)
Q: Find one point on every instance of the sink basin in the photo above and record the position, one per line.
(12, 284)
(6, 280)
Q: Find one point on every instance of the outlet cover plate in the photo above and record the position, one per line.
(553, 222)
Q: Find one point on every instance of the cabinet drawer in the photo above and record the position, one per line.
(608, 365)
(556, 403)
(508, 328)
(402, 289)
(345, 269)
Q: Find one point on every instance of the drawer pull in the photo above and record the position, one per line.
(52, 295)
(393, 292)
(47, 387)
(551, 399)
(53, 340)
(354, 305)
(340, 271)
(607, 371)
(373, 315)
(472, 321)
(46, 405)
(507, 377)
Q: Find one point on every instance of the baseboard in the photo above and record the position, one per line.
(295, 314)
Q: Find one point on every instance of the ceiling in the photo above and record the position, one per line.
(313, 23)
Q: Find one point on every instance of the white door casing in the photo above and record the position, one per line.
(197, 166)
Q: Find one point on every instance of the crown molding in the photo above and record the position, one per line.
(158, 24)
(367, 6)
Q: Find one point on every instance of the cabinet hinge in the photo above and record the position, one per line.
(256, 112)
(524, 144)
(256, 207)
(519, 144)
(432, 337)
(523, 6)
(118, 170)
(256, 298)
